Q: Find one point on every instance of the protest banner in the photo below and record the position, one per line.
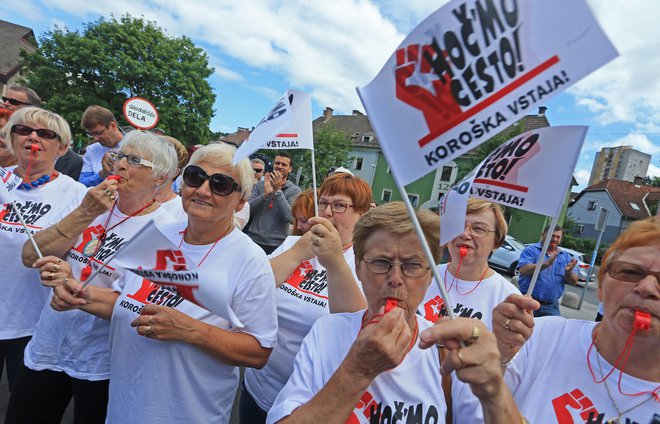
(530, 171)
(164, 263)
(287, 126)
(140, 113)
(470, 70)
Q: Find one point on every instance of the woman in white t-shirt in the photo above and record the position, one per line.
(573, 371)
(305, 291)
(474, 289)
(35, 137)
(68, 355)
(172, 360)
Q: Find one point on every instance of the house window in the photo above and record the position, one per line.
(388, 169)
(387, 195)
(366, 139)
(414, 199)
(358, 164)
(580, 229)
(634, 206)
(591, 206)
(446, 173)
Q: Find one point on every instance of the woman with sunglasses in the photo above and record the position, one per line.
(583, 371)
(68, 355)
(314, 273)
(35, 138)
(173, 361)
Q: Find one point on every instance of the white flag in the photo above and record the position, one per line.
(470, 70)
(287, 126)
(8, 182)
(530, 171)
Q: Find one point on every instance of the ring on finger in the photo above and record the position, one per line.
(147, 331)
(55, 269)
(51, 276)
(150, 318)
(460, 358)
(507, 324)
(317, 240)
(113, 197)
(107, 192)
(475, 334)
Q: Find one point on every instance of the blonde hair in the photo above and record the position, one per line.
(501, 227)
(36, 116)
(222, 155)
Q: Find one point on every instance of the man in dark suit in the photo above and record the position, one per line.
(69, 164)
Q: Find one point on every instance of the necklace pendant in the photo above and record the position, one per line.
(91, 247)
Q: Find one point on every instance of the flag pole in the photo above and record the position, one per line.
(316, 201)
(27, 231)
(427, 251)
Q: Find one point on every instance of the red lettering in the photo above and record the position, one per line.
(142, 293)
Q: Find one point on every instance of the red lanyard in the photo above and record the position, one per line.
(460, 261)
(183, 234)
(376, 318)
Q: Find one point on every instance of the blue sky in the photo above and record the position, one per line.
(260, 48)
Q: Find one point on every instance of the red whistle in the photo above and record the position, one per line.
(642, 320)
(113, 177)
(390, 303)
(34, 149)
(463, 251)
(85, 273)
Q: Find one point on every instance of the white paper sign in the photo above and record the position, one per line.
(530, 171)
(141, 113)
(470, 70)
(8, 182)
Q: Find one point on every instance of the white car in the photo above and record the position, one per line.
(505, 258)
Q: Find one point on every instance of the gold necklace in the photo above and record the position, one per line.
(617, 420)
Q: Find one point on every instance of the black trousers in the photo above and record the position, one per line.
(248, 410)
(43, 396)
(11, 355)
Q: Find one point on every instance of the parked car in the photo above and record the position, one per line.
(505, 258)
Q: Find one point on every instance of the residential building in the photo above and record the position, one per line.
(625, 201)
(620, 163)
(13, 39)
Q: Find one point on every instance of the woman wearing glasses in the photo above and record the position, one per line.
(68, 355)
(171, 360)
(305, 290)
(35, 138)
(473, 287)
(582, 371)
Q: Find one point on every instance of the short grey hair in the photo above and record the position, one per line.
(31, 116)
(155, 150)
(222, 155)
(257, 160)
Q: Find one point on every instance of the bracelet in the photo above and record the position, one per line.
(524, 420)
(59, 230)
(507, 363)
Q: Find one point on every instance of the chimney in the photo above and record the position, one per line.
(638, 181)
(357, 113)
(241, 129)
(327, 114)
(542, 110)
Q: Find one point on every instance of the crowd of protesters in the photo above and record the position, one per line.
(340, 317)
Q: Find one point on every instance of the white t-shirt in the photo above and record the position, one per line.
(75, 341)
(174, 207)
(301, 300)
(23, 296)
(478, 303)
(413, 389)
(551, 382)
(156, 381)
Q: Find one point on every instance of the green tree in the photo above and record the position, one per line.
(331, 149)
(113, 60)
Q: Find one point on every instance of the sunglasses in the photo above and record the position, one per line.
(131, 159)
(258, 171)
(220, 184)
(14, 102)
(46, 134)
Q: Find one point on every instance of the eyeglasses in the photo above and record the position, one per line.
(44, 133)
(478, 230)
(220, 184)
(97, 133)
(336, 207)
(14, 102)
(625, 271)
(408, 268)
(131, 159)
(258, 171)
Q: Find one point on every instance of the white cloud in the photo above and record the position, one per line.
(640, 142)
(227, 74)
(582, 177)
(654, 171)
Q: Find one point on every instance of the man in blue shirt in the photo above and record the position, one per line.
(557, 269)
(101, 125)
